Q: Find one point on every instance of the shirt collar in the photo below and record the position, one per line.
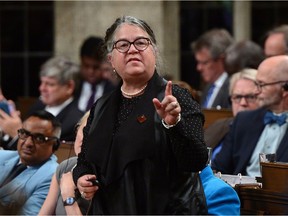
(219, 82)
(55, 110)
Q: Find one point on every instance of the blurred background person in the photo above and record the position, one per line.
(59, 77)
(276, 41)
(93, 65)
(243, 54)
(243, 96)
(209, 50)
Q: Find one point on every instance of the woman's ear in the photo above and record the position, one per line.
(109, 58)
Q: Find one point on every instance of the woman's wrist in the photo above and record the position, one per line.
(67, 195)
(167, 126)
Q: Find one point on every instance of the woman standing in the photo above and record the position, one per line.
(143, 140)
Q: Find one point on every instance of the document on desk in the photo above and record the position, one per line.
(236, 179)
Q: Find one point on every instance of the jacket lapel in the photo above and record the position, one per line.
(17, 183)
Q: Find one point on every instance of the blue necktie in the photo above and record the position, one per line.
(271, 118)
(208, 96)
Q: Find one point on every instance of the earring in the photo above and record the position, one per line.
(114, 71)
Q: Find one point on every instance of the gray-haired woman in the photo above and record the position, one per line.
(142, 139)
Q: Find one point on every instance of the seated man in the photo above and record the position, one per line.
(25, 191)
(209, 50)
(262, 130)
(243, 95)
(59, 78)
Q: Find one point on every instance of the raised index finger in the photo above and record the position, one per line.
(168, 90)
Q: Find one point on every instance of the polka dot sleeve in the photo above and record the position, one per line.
(187, 137)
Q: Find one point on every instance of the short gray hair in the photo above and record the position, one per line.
(247, 73)
(60, 68)
(110, 33)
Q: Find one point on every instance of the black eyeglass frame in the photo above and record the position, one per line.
(37, 138)
(249, 98)
(261, 85)
(130, 43)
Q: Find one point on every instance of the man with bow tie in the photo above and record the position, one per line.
(260, 131)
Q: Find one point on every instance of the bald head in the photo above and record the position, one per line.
(273, 69)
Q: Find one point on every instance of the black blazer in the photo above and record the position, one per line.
(69, 117)
(222, 98)
(108, 87)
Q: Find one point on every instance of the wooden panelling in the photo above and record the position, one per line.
(211, 115)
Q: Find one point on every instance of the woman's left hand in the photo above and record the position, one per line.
(168, 109)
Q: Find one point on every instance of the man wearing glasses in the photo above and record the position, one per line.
(243, 96)
(26, 173)
(260, 131)
(209, 50)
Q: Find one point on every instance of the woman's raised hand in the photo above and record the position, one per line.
(168, 109)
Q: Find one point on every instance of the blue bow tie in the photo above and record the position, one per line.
(271, 118)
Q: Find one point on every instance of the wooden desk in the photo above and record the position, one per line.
(272, 198)
(211, 115)
(259, 201)
(23, 104)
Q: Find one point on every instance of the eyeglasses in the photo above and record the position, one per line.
(261, 85)
(250, 98)
(140, 44)
(37, 138)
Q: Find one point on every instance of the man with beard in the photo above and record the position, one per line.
(260, 131)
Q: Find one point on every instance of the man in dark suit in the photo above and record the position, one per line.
(58, 77)
(259, 131)
(243, 96)
(93, 65)
(209, 51)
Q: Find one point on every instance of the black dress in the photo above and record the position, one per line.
(139, 163)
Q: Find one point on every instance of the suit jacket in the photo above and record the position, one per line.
(241, 141)
(108, 87)
(28, 190)
(221, 198)
(69, 117)
(222, 98)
